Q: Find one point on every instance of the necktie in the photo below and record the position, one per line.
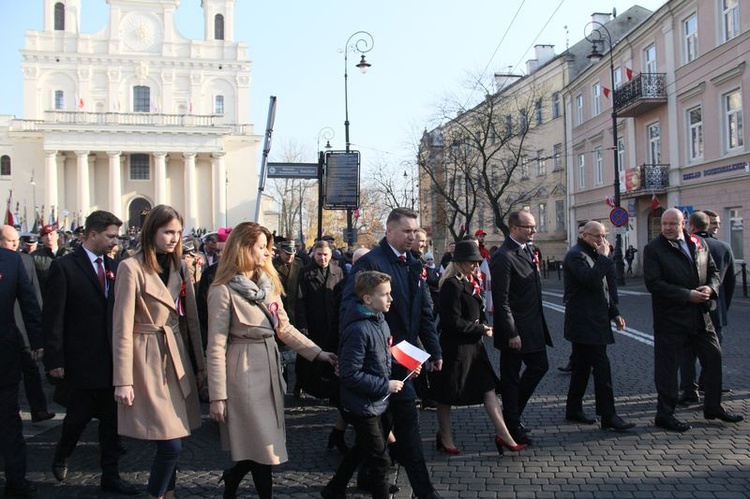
(100, 274)
(529, 255)
(685, 249)
(402, 258)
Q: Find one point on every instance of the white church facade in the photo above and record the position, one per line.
(134, 116)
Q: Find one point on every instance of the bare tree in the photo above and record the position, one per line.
(291, 194)
(395, 185)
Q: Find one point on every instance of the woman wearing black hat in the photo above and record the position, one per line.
(467, 377)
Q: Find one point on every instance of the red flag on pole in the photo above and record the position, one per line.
(606, 92)
(408, 355)
(609, 201)
(9, 219)
(654, 202)
(628, 73)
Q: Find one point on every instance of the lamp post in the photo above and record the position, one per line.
(361, 42)
(327, 134)
(600, 34)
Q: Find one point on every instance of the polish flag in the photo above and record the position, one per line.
(654, 202)
(408, 355)
(609, 201)
(606, 92)
(628, 73)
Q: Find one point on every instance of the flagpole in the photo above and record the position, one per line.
(403, 381)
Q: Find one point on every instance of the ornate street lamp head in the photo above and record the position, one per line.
(363, 64)
(595, 56)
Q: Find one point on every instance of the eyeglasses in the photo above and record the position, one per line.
(530, 227)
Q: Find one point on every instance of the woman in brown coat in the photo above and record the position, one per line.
(157, 347)
(245, 315)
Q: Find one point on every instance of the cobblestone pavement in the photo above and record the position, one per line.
(567, 460)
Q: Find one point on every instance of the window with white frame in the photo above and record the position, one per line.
(219, 105)
(541, 219)
(596, 93)
(557, 163)
(560, 214)
(653, 133)
(556, 105)
(524, 167)
(541, 163)
(730, 18)
(618, 77)
(620, 154)
(695, 132)
(733, 130)
(581, 171)
(141, 99)
(140, 167)
(59, 99)
(598, 166)
(649, 59)
(690, 28)
(579, 109)
(538, 117)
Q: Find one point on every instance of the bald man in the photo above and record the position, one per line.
(590, 308)
(683, 279)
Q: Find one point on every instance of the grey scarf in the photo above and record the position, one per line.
(249, 290)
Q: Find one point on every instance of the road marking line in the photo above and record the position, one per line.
(634, 334)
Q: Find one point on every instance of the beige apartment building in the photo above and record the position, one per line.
(680, 82)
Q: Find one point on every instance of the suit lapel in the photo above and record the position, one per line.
(82, 259)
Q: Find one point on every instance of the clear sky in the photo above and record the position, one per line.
(424, 50)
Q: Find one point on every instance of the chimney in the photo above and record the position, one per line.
(531, 66)
(502, 80)
(601, 17)
(544, 53)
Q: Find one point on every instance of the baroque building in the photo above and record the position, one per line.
(133, 116)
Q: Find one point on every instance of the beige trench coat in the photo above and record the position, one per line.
(244, 368)
(150, 353)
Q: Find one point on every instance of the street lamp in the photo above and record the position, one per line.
(361, 42)
(327, 134)
(600, 34)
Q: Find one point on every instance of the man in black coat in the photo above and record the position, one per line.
(15, 285)
(682, 278)
(590, 305)
(49, 251)
(521, 331)
(723, 257)
(77, 322)
(409, 318)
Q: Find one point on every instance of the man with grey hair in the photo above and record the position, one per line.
(682, 278)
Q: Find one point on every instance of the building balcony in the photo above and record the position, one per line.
(646, 179)
(641, 94)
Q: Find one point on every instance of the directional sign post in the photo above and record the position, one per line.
(293, 170)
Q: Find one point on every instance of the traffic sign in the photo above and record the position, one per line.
(618, 216)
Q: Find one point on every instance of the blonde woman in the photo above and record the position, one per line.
(246, 387)
(155, 336)
(467, 377)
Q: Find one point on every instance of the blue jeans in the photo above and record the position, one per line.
(164, 467)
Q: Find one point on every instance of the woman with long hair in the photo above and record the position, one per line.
(157, 347)
(467, 377)
(246, 386)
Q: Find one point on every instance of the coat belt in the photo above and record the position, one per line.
(172, 351)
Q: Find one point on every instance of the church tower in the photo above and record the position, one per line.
(62, 15)
(218, 18)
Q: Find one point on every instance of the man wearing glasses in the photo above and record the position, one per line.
(590, 305)
(521, 331)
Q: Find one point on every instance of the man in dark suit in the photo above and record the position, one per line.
(723, 257)
(77, 321)
(410, 319)
(682, 278)
(15, 285)
(521, 330)
(590, 307)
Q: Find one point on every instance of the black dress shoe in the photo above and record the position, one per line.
(23, 488)
(119, 486)
(616, 423)
(727, 417)
(521, 438)
(726, 390)
(672, 424)
(60, 469)
(688, 397)
(579, 417)
(38, 417)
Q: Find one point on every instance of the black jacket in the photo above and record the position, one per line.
(589, 310)
(315, 307)
(670, 276)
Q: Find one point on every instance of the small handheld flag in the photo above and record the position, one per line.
(408, 355)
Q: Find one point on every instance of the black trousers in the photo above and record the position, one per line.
(687, 368)
(669, 350)
(403, 416)
(585, 360)
(84, 405)
(12, 444)
(370, 448)
(32, 383)
(515, 388)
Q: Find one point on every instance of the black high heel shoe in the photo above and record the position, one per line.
(336, 439)
(231, 483)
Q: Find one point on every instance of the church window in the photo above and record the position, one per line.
(59, 17)
(218, 27)
(5, 166)
(139, 167)
(141, 99)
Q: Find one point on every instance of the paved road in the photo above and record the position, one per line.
(567, 460)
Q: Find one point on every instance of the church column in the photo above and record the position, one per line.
(84, 191)
(50, 180)
(160, 178)
(115, 183)
(220, 189)
(191, 196)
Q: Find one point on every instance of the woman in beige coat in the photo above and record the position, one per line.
(246, 388)
(156, 340)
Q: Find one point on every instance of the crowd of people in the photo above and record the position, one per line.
(137, 331)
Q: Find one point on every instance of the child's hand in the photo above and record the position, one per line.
(395, 386)
(417, 371)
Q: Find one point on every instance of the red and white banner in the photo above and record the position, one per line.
(408, 355)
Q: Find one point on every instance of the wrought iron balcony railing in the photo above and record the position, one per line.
(644, 92)
(646, 179)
